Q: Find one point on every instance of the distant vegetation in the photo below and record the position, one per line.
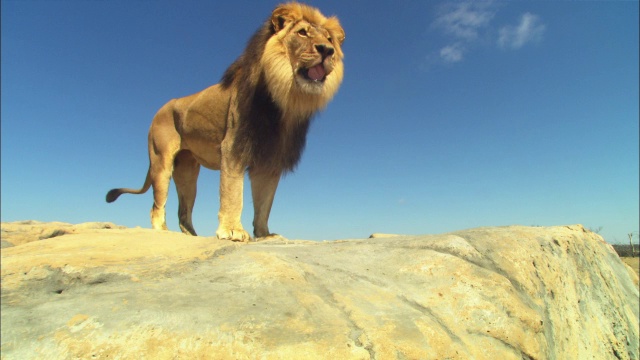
(625, 250)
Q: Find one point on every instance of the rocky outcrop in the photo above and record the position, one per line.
(488, 293)
(21, 232)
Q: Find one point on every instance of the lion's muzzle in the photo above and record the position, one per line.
(324, 50)
(319, 72)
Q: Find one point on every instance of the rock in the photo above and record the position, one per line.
(21, 232)
(489, 293)
(382, 235)
(5, 244)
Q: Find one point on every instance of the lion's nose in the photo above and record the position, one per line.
(324, 50)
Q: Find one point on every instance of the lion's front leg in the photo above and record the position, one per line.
(230, 227)
(231, 187)
(263, 190)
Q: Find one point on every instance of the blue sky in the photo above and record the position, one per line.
(452, 115)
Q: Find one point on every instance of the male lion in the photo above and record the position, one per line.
(256, 118)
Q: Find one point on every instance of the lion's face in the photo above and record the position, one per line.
(312, 55)
(302, 61)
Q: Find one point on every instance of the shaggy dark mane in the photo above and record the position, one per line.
(262, 142)
(250, 57)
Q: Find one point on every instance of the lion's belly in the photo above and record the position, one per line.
(202, 124)
(207, 153)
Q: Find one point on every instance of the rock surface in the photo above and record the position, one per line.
(488, 293)
(21, 232)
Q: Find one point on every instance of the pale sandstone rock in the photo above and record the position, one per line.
(21, 232)
(382, 235)
(488, 293)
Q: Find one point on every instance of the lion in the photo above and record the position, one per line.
(256, 119)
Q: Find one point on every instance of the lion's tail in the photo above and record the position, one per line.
(113, 194)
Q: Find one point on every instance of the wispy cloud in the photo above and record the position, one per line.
(464, 20)
(530, 29)
(452, 53)
(468, 24)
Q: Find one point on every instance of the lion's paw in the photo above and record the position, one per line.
(271, 237)
(233, 234)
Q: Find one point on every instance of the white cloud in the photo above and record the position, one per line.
(464, 23)
(463, 20)
(452, 53)
(530, 29)
(469, 24)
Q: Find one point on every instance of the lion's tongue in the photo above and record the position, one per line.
(316, 73)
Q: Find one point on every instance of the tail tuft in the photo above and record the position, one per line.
(113, 194)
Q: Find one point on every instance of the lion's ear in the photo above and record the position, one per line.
(283, 15)
(340, 35)
(333, 25)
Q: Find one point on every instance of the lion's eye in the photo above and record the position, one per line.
(330, 39)
(302, 32)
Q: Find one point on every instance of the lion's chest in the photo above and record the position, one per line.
(271, 142)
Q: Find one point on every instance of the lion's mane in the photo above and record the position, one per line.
(274, 114)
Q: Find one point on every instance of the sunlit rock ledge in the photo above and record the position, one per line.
(101, 291)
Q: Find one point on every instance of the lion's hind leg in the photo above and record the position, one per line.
(185, 176)
(160, 179)
(164, 144)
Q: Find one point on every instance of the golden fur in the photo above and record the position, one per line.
(255, 119)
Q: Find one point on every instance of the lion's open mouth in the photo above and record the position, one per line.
(315, 73)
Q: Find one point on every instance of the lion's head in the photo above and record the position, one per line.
(302, 61)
